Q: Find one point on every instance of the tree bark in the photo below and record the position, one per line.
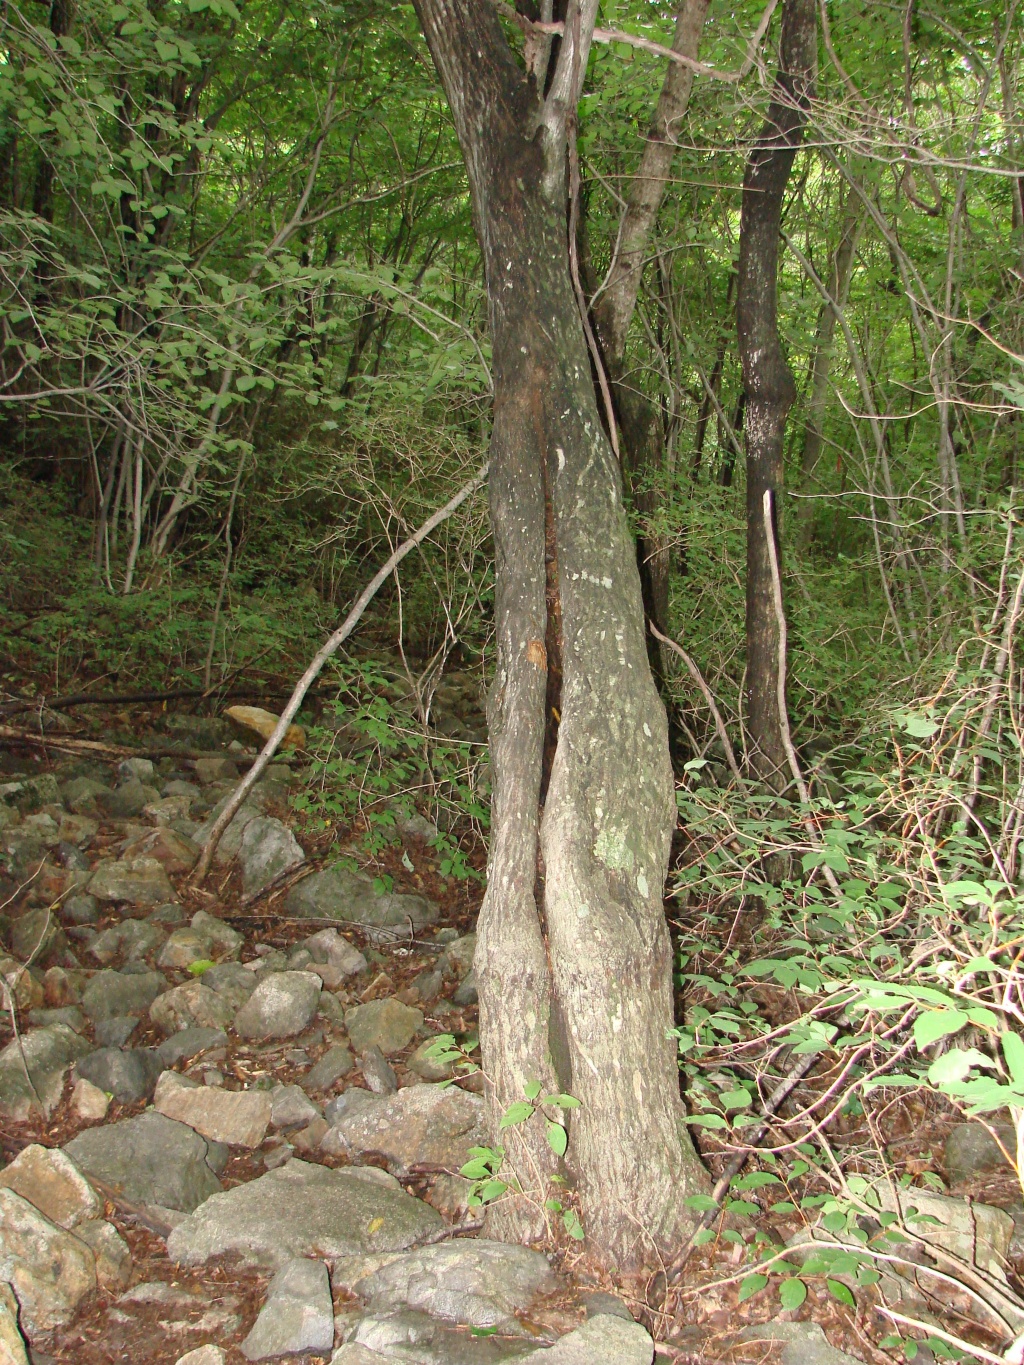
(768, 383)
(640, 430)
(573, 954)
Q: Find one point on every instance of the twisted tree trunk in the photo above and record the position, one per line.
(573, 955)
(768, 383)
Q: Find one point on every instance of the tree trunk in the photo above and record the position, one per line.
(767, 380)
(839, 285)
(640, 430)
(573, 955)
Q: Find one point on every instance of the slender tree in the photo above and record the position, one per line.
(767, 381)
(573, 954)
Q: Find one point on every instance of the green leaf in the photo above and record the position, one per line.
(792, 1293)
(936, 1024)
(1013, 1051)
(839, 1291)
(202, 964)
(735, 1099)
(516, 1114)
(532, 1089)
(703, 1203)
(558, 1138)
(751, 1285)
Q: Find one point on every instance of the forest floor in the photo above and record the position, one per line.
(68, 806)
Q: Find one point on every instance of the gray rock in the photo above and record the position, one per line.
(387, 1024)
(81, 909)
(126, 801)
(349, 897)
(70, 1015)
(601, 1304)
(149, 1159)
(231, 839)
(129, 1075)
(236, 1117)
(457, 958)
(477, 1282)
(430, 1125)
(215, 770)
(111, 994)
(32, 1070)
(189, 1043)
(335, 1063)
(268, 850)
(428, 1068)
(290, 1108)
(329, 948)
(226, 942)
(12, 1344)
(112, 1254)
(352, 1354)
(282, 1005)
(132, 939)
(82, 793)
(232, 982)
(114, 1032)
(35, 933)
(803, 1343)
(302, 1209)
(607, 1339)
(347, 1104)
(298, 1315)
(202, 1355)
(169, 913)
(53, 1184)
(141, 881)
(29, 794)
(419, 1339)
(971, 1150)
(190, 1006)
(49, 1269)
(378, 1074)
(466, 991)
(140, 768)
(183, 947)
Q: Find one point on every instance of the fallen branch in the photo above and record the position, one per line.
(323, 654)
(716, 715)
(93, 746)
(16, 707)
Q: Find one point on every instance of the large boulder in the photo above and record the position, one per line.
(604, 1338)
(430, 1125)
(298, 1316)
(140, 881)
(111, 995)
(301, 1210)
(149, 1159)
(129, 1074)
(282, 1005)
(51, 1181)
(349, 897)
(49, 1269)
(267, 851)
(32, 1070)
(237, 1117)
(476, 1281)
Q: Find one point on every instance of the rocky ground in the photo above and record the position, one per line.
(224, 1137)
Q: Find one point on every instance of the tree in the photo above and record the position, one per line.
(768, 383)
(573, 955)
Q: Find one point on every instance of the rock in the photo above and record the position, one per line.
(140, 768)
(268, 850)
(354, 1354)
(347, 1104)
(971, 1150)
(203, 1355)
(215, 770)
(339, 894)
(45, 1054)
(457, 958)
(282, 1005)
(302, 1209)
(129, 1075)
(329, 948)
(387, 1024)
(111, 1253)
(976, 1233)
(298, 1315)
(168, 809)
(226, 942)
(335, 1063)
(183, 947)
(428, 986)
(607, 1339)
(188, 1006)
(189, 1043)
(35, 933)
(114, 1032)
(377, 1073)
(412, 1336)
(428, 1068)
(237, 1117)
(148, 1159)
(169, 913)
(466, 991)
(50, 1270)
(72, 1016)
(52, 1182)
(476, 1282)
(127, 800)
(601, 1304)
(81, 909)
(110, 994)
(29, 794)
(132, 939)
(171, 850)
(252, 720)
(803, 1343)
(231, 839)
(89, 1102)
(141, 881)
(430, 1125)
(81, 794)
(290, 1108)
(12, 1344)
